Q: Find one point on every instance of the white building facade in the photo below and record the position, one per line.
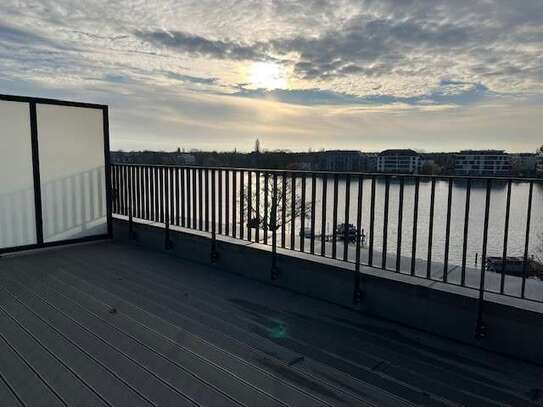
(487, 163)
(399, 161)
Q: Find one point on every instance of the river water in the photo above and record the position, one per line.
(517, 224)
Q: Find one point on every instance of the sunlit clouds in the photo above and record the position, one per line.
(364, 74)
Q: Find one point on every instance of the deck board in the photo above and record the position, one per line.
(115, 324)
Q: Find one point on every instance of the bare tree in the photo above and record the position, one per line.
(271, 214)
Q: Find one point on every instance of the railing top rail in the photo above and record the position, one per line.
(343, 173)
(47, 101)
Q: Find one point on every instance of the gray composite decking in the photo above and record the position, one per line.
(111, 324)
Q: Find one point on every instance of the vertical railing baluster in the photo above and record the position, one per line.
(447, 232)
(346, 237)
(152, 208)
(188, 196)
(249, 204)
(283, 209)
(266, 207)
(234, 203)
(220, 205)
(466, 232)
(182, 196)
(142, 191)
(324, 204)
(177, 197)
(431, 229)
(293, 211)
(313, 208)
(206, 199)
(200, 199)
(163, 204)
(257, 204)
(124, 194)
(400, 226)
(172, 195)
(157, 195)
(505, 236)
(480, 329)
(148, 199)
(273, 223)
(113, 190)
(167, 207)
(241, 204)
(527, 240)
(302, 213)
(112, 187)
(415, 224)
(227, 202)
(357, 295)
(137, 180)
(385, 223)
(372, 222)
(131, 234)
(194, 199)
(334, 217)
(214, 254)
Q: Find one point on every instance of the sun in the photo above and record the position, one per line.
(267, 75)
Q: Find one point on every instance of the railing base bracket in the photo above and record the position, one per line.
(275, 273)
(357, 297)
(481, 330)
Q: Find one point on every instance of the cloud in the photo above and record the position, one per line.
(448, 93)
(194, 44)
(192, 79)
(171, 70)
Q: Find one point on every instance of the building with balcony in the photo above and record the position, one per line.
(401, 161)
(488, 163)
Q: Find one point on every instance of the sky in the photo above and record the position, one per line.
(296, 74)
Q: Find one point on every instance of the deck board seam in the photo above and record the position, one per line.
(80, 349)
(26, 362)
(12, 390)
(384, 375)
(112, 346)
(303, 372)
(194, 375)
(165, 338)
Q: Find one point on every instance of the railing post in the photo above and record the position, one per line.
(357, 292)
(481, 328)
(274, 269)
(131, 233)
(167, 208)
(214, 254)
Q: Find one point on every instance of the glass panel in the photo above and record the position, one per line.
(17, 216)
(71, 144)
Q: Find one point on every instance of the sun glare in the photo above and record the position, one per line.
(267, 75)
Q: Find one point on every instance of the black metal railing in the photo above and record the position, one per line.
(429, 227)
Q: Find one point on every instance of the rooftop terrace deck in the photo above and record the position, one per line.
(119, 325)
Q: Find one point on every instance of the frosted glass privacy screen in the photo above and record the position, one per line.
(72, 171)
(17, 213)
